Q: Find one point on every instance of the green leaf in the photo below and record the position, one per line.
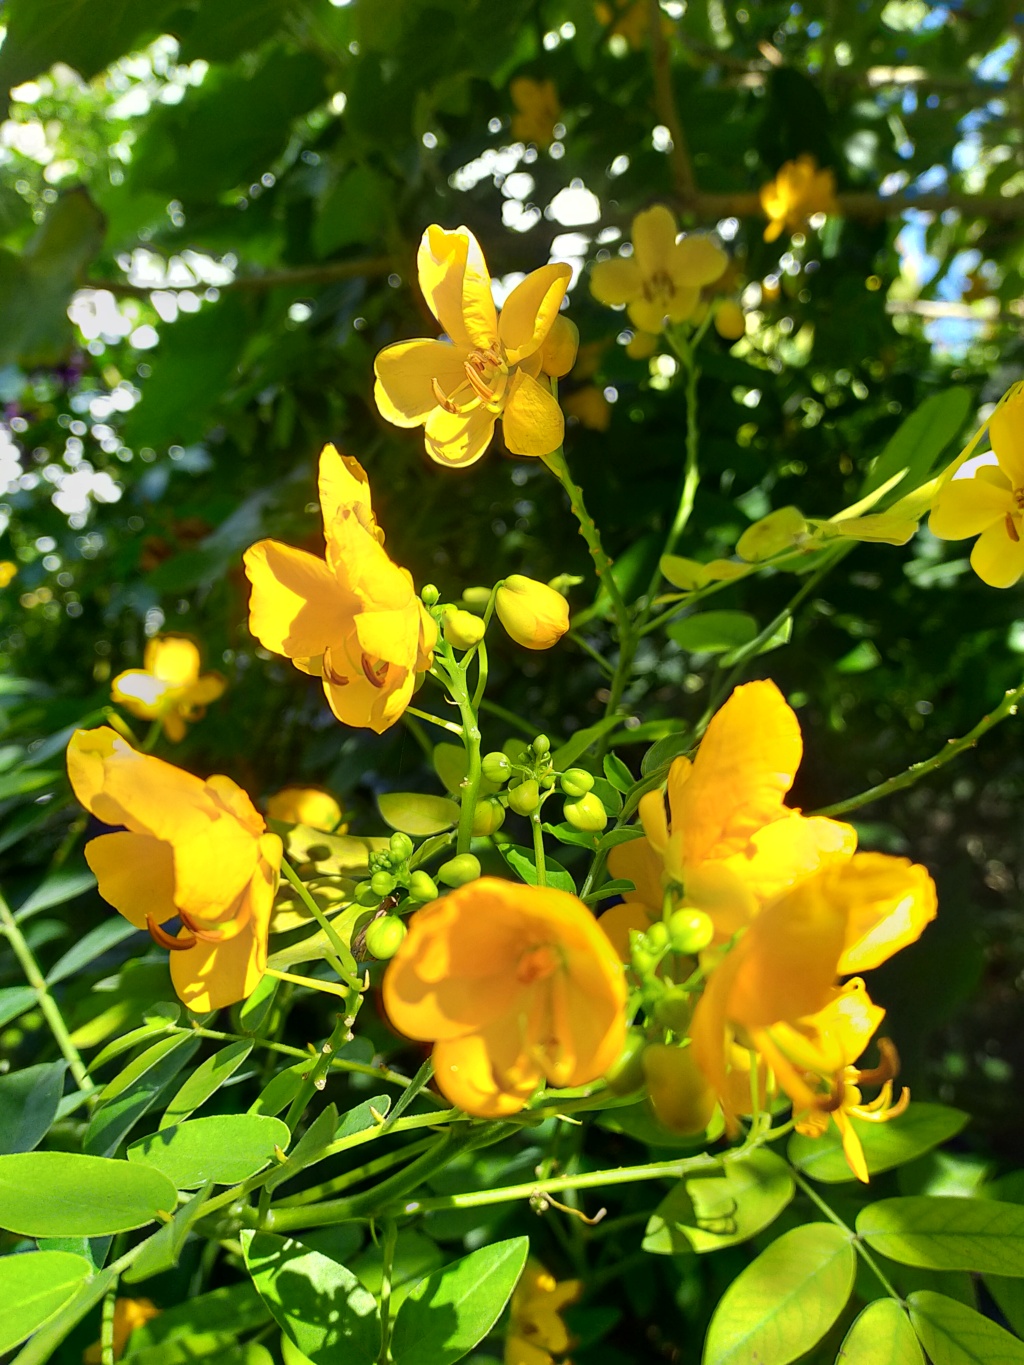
(57, 889)
(660, 755)
(446, 1314)
(205, 1081)
(280, 1090)
(225, 1148)
(705, 1213)
(881, 1335)
(1009, 1295)
(254, 1011)
(355, 211)
(713, 632)
(41, 32)
(909, 1135)
(940, 1232)
(322, 1306)
(62, 1194)
(28, 1105)
(783, 1303)
(920, 439)
(416, 813)
(521, 861)
(308, 1150)
(15, 1001)
(134, 1091)
(575, 747)
(451, 763)
(35, 1286)
(94, 944)
(161, 1251)
(618, 774)
(46, 1340)
(210, 1321)
(954, 1334)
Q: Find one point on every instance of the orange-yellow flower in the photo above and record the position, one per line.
(8, 571)
(590, 407)
(189, 850)
(663, 277)
(799, 190)
(513, 985)
(536, 1332)
(353, 620)
(989, 503)
(168, 686)
(731, 843)
(489, 367)
(534, 614)
(847, 918)
(307, 806)
(128, 1314)
(537, 110)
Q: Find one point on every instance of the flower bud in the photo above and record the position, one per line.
(547, 780)
(534, 615)
(464, 867)
(730, 322)
(656, 937)
(541, 746)
(382, 883)
(422, 887)
(400, 846)
(496, 767)
(586, 813)
(674, 1010)
(576, 782)
(682, 1100)
(558, 354)
(365, 894)
(384, 936)
(429, 595)
(476, 597)
(627, 1073)
(525, 798)
(462, 629)
(488, 817)
(690, 931)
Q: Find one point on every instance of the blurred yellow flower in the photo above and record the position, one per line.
(590, 407)
(128, 1314)
(663, 277)
(800, 190)
(537, 110)
(191, 850)
(536, 1332)
(353, 620)
(629, 19)
(7, 571)
(513, 985)
(731, 842)
(307, 806)
(489, 367)
(989, 502)
(535, 615)
(168, 686)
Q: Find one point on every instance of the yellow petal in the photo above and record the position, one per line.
(789, 849)
(530, 310)
(890, 902)
(683, 303)
(654, 237)
(212, 866)
(697, 261)
(172, 659)
(213, 975)
(966, 507)
(646, 314)
(997, 558)
(1006, 432)
(617, 922)
(464, 1075)
(637, 862)
(457, 285)
(135, 874)
(120, 786)
(140, 693)
(616, 281)
(406, 374)
(458, 439)
(390, 635)
(532, 421)
(305, 806)
(852, 1148)
(297, 606)
(342, 482)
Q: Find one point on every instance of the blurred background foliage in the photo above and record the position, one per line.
(209, 211)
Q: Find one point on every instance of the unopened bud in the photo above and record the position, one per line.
(730, 322)
(422, 887)
(429, 595)
(525, 798)
(488, 817)
(627, 1074)
(586, 813)
(674, 1010)
(534, 615)
(682, 1100)
(476, 597)
(400, 846)
(457, 871)
(365, 894)
(558, 354)
(462, 629)
(384, 936)
(690, 931)
(496, 767)
(656, 937)
(541, 746)
(382, 883)
(576, 782)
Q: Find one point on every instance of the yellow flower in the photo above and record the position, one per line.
(537, 110)
(848, 917)
(989, 502)
(630, 19)
(535, 615)
(168, 687)
(663, 277)
(8, 570)
(489, 367)
(536, 1332)
(307, 806)
(513, 985)
(590, 407)
(128, 1314)
(189, 850)
(731, 842)
(355, 620)
(799, 190)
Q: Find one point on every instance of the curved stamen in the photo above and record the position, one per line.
(377, 676)
(888, 1067)
(160, 936)
(206, 935)
(330, 673)
(1011, 529)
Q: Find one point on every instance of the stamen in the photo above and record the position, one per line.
(378, 675)
(443, 401)
(888, 1067)
(330, 673)
(165, 940)
(482, 390)
(1011, 529)
(205, 935)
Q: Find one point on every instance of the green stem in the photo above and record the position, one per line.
(538, 849)
(458, 686)
(509, 717)
(448, 725)
(315, 1193)
(483, 668)
(381, 1073)
(341, 959)
(49, 1007)
(954, 747)
(107, 1325)
(858, 1245)
(588, 530)
(387, 1267)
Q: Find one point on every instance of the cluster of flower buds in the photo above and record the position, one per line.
(395, 887)
(529, 777)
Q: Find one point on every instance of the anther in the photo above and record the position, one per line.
(378, 675)
(443, 401)
(1011, 529)
(166, 940)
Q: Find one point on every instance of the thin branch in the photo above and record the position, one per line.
(683, 176)
(272, 279)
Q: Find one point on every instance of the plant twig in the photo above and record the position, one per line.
(668, 111)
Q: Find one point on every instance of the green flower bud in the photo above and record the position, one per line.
(576, 782)
(429, 595)
(496, 767)
(681, 1098)
(476, 597)
(422, 887)
(627, 1073)
(541, 746)
(586, 813)
(365, 894)
(488, 817)
(525, 798)
(462, 629)
(382, 883)
(384, 936)
(547, 781)
(464, 867)
(656, 937)
(674, 1010)
(690, 931)
(400, 846)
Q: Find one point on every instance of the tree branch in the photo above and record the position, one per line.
(272, 279)
(665, 102)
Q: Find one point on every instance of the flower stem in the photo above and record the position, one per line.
(388, 1260)
(341, 959)
(858, 1245)
(49, 1006)
(538, 849)
(588, 530)
(458, 685)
